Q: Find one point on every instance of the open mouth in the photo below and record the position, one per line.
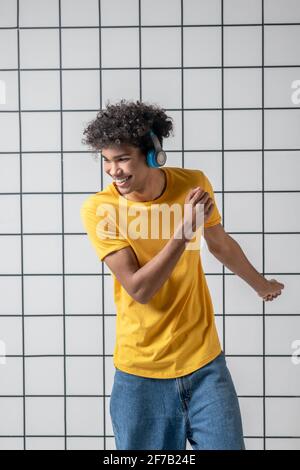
(123, 182)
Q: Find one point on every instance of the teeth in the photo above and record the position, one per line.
(121, 181)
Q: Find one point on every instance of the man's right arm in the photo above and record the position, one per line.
(142, 283)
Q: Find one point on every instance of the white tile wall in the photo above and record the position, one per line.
(43, 114)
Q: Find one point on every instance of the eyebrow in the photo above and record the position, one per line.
(116, 156)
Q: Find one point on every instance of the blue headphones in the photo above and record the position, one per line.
(156, 157)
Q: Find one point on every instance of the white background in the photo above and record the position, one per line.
(214, 67)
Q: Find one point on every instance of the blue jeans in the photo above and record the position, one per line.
(160, 414)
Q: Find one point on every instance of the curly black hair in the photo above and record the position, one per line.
(128, 122)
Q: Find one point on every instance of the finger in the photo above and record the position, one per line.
(196, 197)
(209, 209)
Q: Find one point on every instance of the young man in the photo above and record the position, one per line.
(171, 379)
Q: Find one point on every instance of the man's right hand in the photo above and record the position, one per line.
(197, 205)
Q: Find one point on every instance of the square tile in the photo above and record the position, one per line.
(160, 12)
(81, 173)
(282, 11)
(39, 13)
(39, 48)
(84, 416)
(45, 443)
(44, 375)
(281, 129)
(45, 415)
(242, 45)
(9, 132)
(168, 93)
(9, 13)
(41, 172)
(43, 295)
(242, 11)
(41, 131)
(252, 443)
(281, 170)
(77, 13)
(203, 130)
(243, 171)
(11, 295)
(11, 443)
(9, 173)
(247, 374)
(11, 376)
(80, 48)
(286, 380)
(83, 335)
(202, 88)
(244, 335)
(240, 298)
(282, 253)
(10, 213)
(118, 84)
(161, 47)
(11, 335)
(287, 443)
(85, 443)
(83, 295)
(88, 263)
(74, 123)
(11, 411)
(8, 49)
(243, 212)
(280, 212)
(283, 417)
(40, 90)
(208, 162)
(120, 47)
(9, 92)
(281, 44)
(43, 335)
(202, 12)
(280, 334)
(281, 87)
(84, 375)
(202, 47)
(48, 207)
(242, 88)
(72, 220)
(10, 255)
(119, 12)
(81, 89)
(252, 416)
(243, 130)
(42, 254)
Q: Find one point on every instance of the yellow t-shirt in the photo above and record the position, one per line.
(174, 333)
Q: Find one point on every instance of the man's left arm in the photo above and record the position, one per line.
(229, 253)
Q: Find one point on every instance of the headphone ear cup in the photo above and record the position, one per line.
(151, 159)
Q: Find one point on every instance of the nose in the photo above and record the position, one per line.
(115, 171)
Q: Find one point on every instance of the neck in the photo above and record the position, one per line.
(158, 185)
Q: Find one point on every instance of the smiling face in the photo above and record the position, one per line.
(124, 162)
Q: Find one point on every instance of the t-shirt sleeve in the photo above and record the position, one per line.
(104, 237)
(215, 217)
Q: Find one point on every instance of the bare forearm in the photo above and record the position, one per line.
(150, 277)
(234, 259)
